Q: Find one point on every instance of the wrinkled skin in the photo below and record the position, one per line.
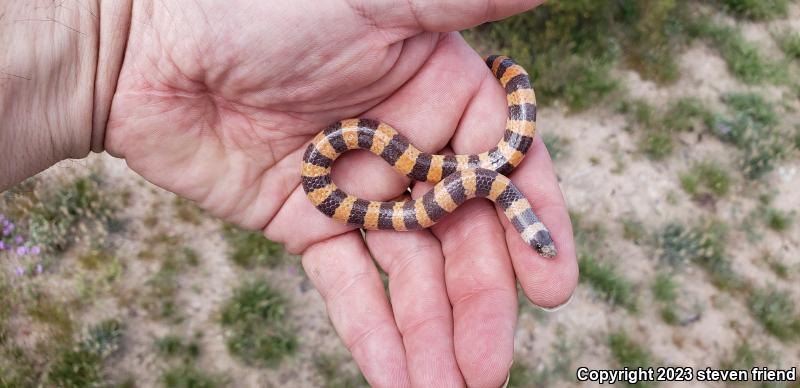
(216, 102)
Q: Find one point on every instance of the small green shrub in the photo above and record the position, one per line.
(752, 129)
(633, 230)
(163, 286)
(687, 114)
(17, 369)
(334, 374)
(658, 128)
(556, 145)
(777, 266)
(665, 291)
(602, 277)
(82, 365)
(256, 325)
(777, 220)
(706, 178)
(70, 211)
(249, 249)
(627, 352)
(173, 346)
(789, 42)
(187, 211)
(744, 356)
(641, 113)
(703, 244)
(189, 376)
(656, 144)
(743, 58)
(776, 311)
(664, 288)
(577, 43)
(669, 314)
(605, 280)
(756, 9)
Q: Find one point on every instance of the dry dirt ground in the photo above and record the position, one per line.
(603, 177)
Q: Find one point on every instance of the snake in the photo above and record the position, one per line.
(457, 178)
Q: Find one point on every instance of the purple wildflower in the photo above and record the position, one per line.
(39, 269)
(35, 250)
(22, 251)
(8, 229)
(18, 240)
(19, 271)
(2, 246)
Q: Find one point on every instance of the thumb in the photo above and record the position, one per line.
(415, 16)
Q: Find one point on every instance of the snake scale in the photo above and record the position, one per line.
(457, 177)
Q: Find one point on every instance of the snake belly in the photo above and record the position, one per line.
(457, 178)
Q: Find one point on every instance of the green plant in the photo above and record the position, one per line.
(777, 266)
(656, 144)
(605, 280)
(334, 373)
(777, 220)
(664, 288)
(187, 211)
(756, 9)
(249, 249)
(744, 356)
(686, 114)
(752, 127)
(789, 42)
(602, 277)
(81, 366)
(776, 311)
(78, 205)
(703, 244)
(665, 291)
(189, 376)
(706, 179)
(163, 286)
(172, 346)
(658, 127)
(742, 57)
(632, 229)
(577, 43)
(257, 329)
(627, 352)
(556, 145)
(41, 307)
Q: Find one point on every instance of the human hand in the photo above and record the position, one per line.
(217, 101)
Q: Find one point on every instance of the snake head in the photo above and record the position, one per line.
(543, 243)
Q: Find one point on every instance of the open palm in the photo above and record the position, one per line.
(216, 102)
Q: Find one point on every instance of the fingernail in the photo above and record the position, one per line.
(559, 307)
(508, 378)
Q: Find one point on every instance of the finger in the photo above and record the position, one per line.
(414, 16)
(343, 273)
(546, 282)
(415, 266)
(481, 289)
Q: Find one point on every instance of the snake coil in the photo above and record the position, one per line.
(457, 177)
